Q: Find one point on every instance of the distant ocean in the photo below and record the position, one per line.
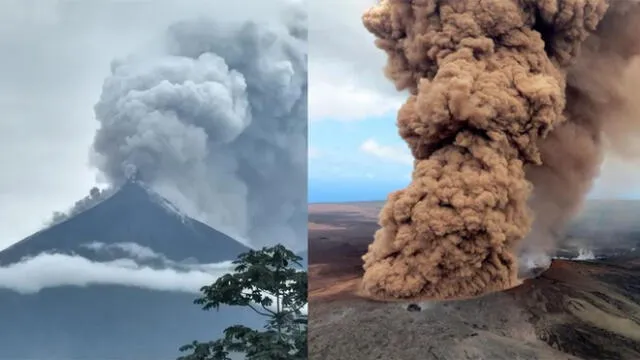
(323, 191)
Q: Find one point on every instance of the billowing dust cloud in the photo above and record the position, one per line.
(512, 106)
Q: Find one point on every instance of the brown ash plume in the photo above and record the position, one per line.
(603, 115)
(504, 102)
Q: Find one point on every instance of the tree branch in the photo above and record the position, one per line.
(269, 310)
(256, 310)
(296, 309)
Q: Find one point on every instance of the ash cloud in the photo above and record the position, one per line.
(96, 196)
(602, 120)
(513, 106)
(216, 122)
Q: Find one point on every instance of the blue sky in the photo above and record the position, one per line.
(355, 153)
(356, 160)
(365, 159)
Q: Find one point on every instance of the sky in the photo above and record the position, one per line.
(355, 152)
(56, 56)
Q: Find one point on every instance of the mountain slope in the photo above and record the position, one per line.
(107, 323)
(573, 310)
(132, 214)
(114, 321)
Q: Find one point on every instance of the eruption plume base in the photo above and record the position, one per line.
(363, 293)
(533, 266)
(438, 245)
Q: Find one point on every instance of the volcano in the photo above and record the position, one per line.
(108, 320)
(575, 309)
(137, 214)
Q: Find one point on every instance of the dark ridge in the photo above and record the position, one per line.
(132, 214)
(105, 322)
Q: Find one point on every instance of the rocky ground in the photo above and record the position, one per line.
(574, 310)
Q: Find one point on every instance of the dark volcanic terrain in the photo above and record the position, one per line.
(113, 321)
(132, 214)
(577, 309)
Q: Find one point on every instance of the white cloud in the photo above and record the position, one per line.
(348, 102)
(389, 153)
(53, 270)
(141, 253)
(346, 79)
(618, 178)
(49, 270)
(135, 250)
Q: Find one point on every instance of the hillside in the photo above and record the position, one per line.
(106, 320)
(132, 214)
(574, 310)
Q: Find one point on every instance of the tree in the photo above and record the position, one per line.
(270, 283)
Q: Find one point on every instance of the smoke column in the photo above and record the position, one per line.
(216, 122)
(512, 105)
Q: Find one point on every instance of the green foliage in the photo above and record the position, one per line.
(268, 281)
